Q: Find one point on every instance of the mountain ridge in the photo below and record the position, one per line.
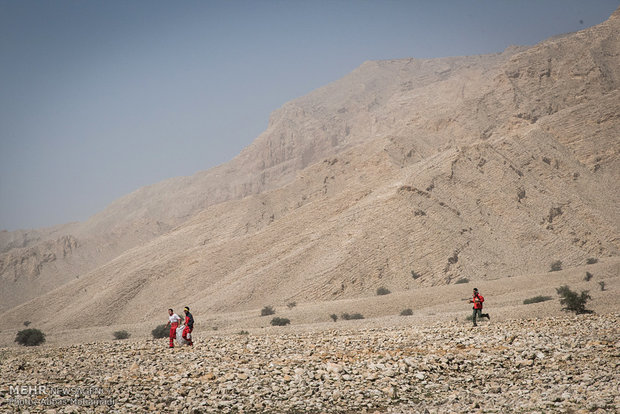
(447, 169)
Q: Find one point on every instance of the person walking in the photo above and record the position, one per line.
(189, 326)
(477, 300)
(173, 321)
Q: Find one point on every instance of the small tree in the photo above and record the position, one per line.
(161, 331)
(572, 301)
(267, 310)
(30, 337)
(406, 312)
(280, 321)
(383, 291)
(121, 335)
(556, 266)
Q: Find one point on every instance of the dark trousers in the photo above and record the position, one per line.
(479, 314)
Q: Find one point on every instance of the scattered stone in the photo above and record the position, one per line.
(565, 364)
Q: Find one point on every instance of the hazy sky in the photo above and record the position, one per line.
(99, 98)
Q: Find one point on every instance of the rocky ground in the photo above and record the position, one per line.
(561, 364)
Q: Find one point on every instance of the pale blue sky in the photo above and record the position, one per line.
(99, 98)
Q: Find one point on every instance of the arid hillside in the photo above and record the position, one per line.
(405, 174)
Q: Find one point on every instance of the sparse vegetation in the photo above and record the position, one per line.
(553, 213)
(383, 291)
(520, 194)
(588, 277)
(573, 301)
(26, 323)
(469, 318)
(537, 299)
(267, 310)
(414, 274)
(461, 281)
(161, 331)
(591, 260)
(406, 312)
(334, 317)
(121, 335)
(30, 337)
(277, 321)
(454, 258)
(546, 160)
(348, 317)
(556, 266)
(602, 285)
(244, 333)
(291, 305)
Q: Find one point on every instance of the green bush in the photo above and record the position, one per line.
(347, 316)
(573, 301)
(383, 291)
(537, 299)
(602, 285)
(415, 274)
(267, 310)
(26, 323)
(461, 281)
(334, 317)
(556, 266)
(592, 260)
(280, 321)
(161, 331)
(406, 312)
(291, 305)
(244, 333)
(121, 335)
(588, 276)
(30, 337)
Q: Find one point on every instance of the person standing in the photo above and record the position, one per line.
(477, 300)
(173, 321)
(189, 326)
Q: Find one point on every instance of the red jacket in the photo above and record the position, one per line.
(478, 299)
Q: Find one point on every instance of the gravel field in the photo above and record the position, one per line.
(561, 364)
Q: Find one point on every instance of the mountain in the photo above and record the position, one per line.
(405, 173)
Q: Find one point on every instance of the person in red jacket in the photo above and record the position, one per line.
(173, 321)
(189, 326)
(477, 300)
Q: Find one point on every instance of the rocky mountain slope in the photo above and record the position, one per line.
(404, 174)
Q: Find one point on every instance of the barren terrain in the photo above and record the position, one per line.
(561, 364)
(423, 177)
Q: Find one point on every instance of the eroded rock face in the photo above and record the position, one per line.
(467, 167)
(540, 365)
